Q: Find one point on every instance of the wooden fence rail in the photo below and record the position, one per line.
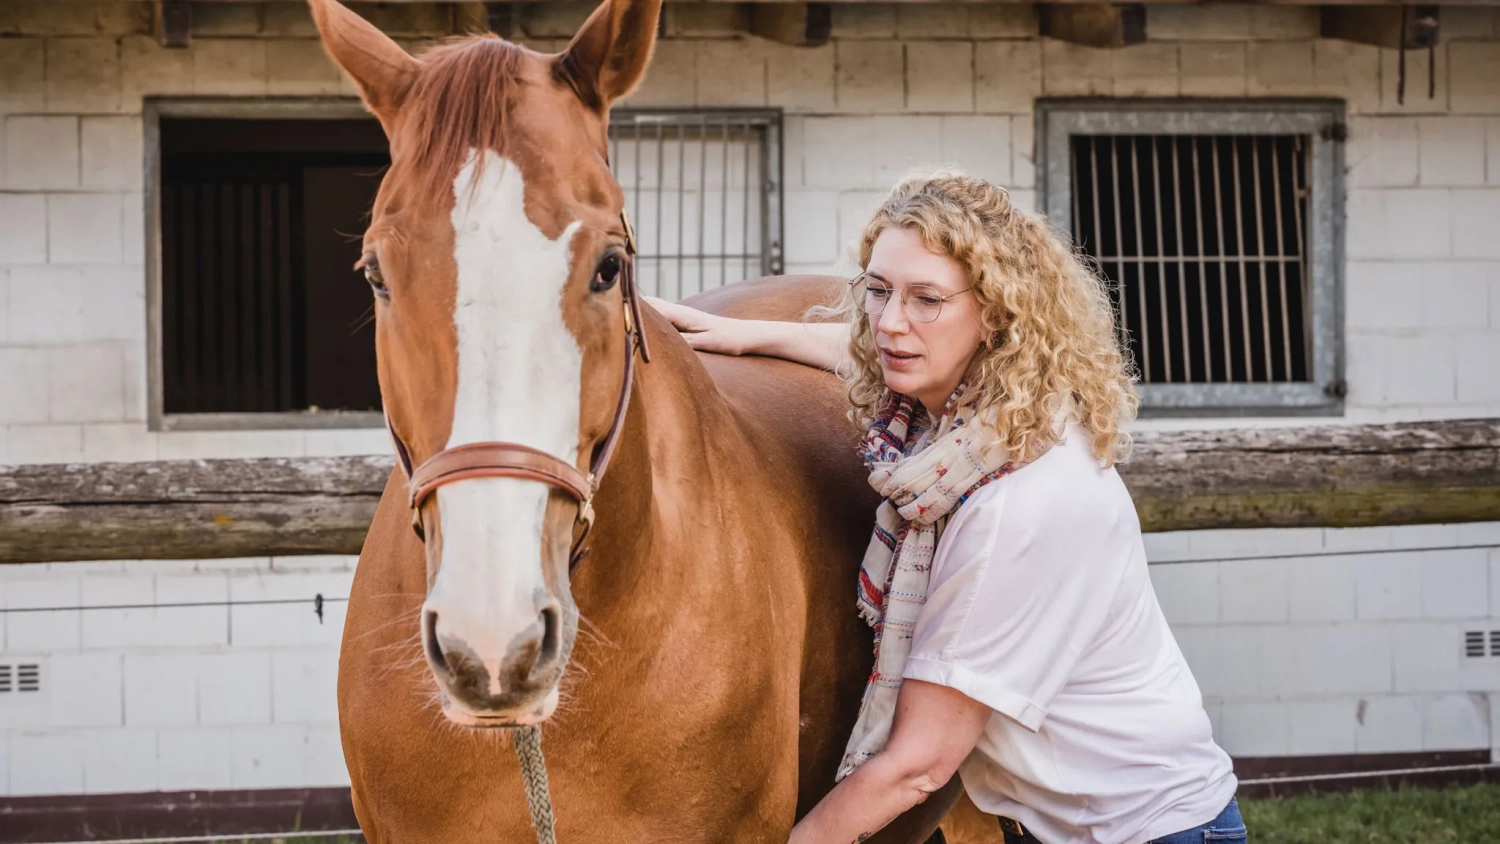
(1321, 476)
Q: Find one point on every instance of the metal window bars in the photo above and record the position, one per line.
(1205, 251)
(1216, 227)
(704, 192)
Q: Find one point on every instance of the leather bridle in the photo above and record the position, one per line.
(513, 460)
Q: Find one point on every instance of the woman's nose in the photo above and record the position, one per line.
(892, 318)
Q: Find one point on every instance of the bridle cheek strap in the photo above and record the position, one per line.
(513, 460)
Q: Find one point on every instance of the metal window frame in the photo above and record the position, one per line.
(344, 108)
(1320, 120)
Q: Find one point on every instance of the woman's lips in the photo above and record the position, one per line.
(897, 360)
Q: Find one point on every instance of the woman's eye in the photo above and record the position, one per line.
(929, 300)
(880, 292)
(371, 267)
(607, 273)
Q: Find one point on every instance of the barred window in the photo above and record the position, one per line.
(703, 189)
(1216, 230)
(259, 320)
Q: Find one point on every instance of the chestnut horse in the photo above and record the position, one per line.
(722, 663)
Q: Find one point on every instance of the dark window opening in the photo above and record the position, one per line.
(260, 223)
(1205, 240)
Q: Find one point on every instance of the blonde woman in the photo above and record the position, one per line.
(1018, 640)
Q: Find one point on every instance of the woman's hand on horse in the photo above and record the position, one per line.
(703, 331)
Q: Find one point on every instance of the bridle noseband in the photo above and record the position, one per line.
(513, 460)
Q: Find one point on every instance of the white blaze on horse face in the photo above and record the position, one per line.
(519, 376)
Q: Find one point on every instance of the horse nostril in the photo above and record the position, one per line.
(430, 643)
(551, 637)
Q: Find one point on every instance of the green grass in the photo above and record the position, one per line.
(1404, 816)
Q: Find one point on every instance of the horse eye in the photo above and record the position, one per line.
(607, 273)
(371, 266)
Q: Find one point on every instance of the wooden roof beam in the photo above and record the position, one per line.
(1412, 27)
(173, 20)
(797, 24)
(1095, 24)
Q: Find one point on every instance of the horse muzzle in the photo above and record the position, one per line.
(495, 684)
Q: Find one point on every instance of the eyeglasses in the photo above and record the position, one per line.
(922, 303)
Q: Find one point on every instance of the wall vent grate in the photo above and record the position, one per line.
(1474, 643)
(20, 677)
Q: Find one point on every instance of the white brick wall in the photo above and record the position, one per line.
(1345, 641)
(141, 699)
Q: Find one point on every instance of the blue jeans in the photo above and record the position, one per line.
(1227, 828)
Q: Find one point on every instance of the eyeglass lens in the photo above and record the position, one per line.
(923, 304)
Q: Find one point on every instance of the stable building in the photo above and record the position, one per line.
(1298, 204)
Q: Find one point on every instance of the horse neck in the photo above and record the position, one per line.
(677, 432)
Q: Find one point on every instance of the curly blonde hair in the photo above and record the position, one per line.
(1047, 315)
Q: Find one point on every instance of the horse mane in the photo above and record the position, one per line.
(460, 103)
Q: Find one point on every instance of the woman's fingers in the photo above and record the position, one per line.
(683, 318)
(702, 331)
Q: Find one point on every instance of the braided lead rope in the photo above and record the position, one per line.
(534, 773)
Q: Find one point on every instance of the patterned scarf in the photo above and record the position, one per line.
(922, 484)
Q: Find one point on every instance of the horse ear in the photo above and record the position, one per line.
(379, 68)
(608, 56)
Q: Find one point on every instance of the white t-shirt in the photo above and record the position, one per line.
(1041, 609)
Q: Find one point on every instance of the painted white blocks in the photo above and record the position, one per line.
(46, 763)
(195, 757)
(235, 689)
(84, 690)
(120, 761)
(148, 699)
(52, 305)
(1351, 641)
(1388, 725)
(161, 690)
(23, 228)
(41, 152)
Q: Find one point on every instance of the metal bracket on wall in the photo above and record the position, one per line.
(1399, 28)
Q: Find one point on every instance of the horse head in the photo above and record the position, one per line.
(499, 258)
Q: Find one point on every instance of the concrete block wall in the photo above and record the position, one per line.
(1302, 641)
(1338, 641)
(200, 689)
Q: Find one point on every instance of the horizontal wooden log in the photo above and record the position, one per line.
(1319, 476)
(188, 509)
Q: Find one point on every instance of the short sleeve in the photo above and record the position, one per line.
(1021, 584)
